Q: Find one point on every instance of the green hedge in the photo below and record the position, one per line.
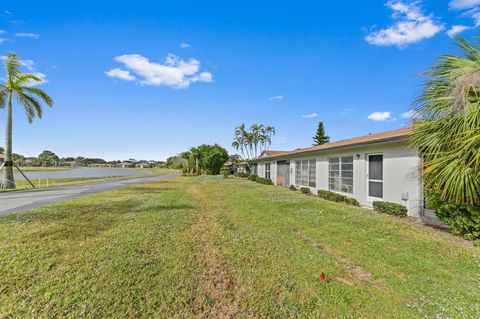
(305, 190)
(252, 177)
(390, 208)
(261, 180)
(293, 188)
(328, 195)
(352, 201)
(463, 218)
(242, 175)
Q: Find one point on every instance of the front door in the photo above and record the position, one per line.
(283, 173)
(375, 177)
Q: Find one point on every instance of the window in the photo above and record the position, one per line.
(305, 173)
(340, 174)
(267, 170)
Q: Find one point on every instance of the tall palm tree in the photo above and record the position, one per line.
(19, 85)
(447, 128)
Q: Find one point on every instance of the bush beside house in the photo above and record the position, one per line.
(332, 196)
(390, 208)
(463, 218)
(305, 190)
(265, 181)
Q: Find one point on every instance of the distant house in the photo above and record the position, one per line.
(127, 165)
(68, 163)
(143, 165)
(29, 162)
(375, 167)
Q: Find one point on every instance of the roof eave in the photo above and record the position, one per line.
(380, 141)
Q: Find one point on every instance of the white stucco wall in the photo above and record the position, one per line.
(401, 173)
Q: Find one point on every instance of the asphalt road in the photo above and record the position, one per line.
(17, 201)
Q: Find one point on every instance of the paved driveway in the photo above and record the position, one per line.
(12, 202)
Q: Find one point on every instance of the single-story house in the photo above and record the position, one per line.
(143, 165)
(375, 167)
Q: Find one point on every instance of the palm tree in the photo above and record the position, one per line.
(19, 85)
(447, 128)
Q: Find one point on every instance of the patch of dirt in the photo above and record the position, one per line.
(356, 272)
(221, 298)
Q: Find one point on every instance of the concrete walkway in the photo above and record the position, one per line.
(17, 201)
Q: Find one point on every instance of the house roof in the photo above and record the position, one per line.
(356, 141)
(272, 153)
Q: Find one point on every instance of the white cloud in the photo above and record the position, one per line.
(184, 45)
(307, 116)
(411, 25)
(174, 72)
(276, 98)
(463, 4)
(27, 35)
(380, 116)
(347, 110)
(469, 8)
(120, 74)
(457, 29)
(8, 13)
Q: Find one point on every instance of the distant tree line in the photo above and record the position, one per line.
(50, 159)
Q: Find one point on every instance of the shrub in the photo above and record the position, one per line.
(352, 201)
(261, 180)
(293, 188)
(328, 195)
(241, 174)
(463, 218)
(225, 171)
(252, 177)
(390, 208)
(305, 190)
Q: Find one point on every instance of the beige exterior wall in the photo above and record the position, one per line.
(401, 173)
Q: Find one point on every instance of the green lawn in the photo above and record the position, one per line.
(55, 182)
(209, 247)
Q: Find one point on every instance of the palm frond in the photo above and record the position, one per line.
(31, 106)
(41, 94)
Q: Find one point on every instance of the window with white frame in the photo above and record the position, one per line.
(340, 174)
(305, 173)
(267, 170)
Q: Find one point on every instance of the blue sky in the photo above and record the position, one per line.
(149, 79)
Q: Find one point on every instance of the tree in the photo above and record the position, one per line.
(212, 158)
(320, 137)
(447, 129)
(48, 158)
(19, 85)
(253, 143)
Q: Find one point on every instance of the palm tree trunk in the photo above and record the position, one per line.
(8, 181)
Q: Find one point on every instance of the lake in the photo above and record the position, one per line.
(81, 173)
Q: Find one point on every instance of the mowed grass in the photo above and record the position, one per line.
(209, 247)
(56, 182)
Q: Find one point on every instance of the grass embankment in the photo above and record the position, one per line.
(55, 182)
(209, 247)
